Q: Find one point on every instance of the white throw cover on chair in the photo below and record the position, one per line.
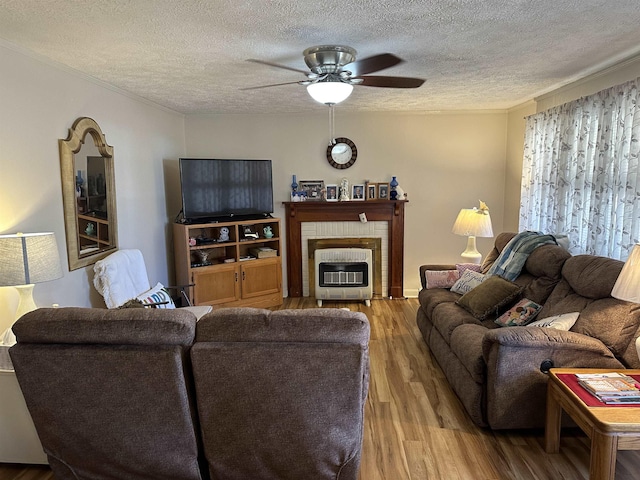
(122, 276)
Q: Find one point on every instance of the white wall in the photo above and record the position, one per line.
(39, 104)
(513, 177)
(444, 162)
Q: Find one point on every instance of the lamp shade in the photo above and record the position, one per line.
(28, 258)
(330, 91)
(627, 286)
(473, 222)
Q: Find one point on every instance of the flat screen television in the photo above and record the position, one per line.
(217, 188)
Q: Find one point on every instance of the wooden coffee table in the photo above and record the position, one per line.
(610, 428)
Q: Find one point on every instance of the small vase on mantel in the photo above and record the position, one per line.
(393, 184)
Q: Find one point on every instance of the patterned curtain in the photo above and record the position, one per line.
(581, 174)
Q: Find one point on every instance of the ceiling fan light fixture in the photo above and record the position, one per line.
(330, 92)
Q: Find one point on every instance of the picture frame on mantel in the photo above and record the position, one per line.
(312, 188)
(332, 192)
(372, 191)
(383, 191)
(358, 192)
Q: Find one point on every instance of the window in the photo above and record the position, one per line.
(581, 175)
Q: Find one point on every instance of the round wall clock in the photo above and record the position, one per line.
(342, 154)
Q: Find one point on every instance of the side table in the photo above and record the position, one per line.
(19, 442)
(610, 428)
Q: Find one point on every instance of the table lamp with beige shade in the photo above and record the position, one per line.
(627, 286)
(472, 223)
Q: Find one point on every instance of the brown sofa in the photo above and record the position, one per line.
(499, 373)
(243, 393)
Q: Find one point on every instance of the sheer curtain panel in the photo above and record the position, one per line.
(580, 172)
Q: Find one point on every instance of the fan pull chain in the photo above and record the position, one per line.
(332, 138)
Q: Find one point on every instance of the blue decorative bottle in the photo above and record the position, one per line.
(393, 184)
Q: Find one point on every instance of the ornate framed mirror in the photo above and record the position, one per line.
(342, 153)
(88, 194)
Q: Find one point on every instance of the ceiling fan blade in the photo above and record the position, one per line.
(391, 82)
(277, 65)
(373, 64)
(267, 86)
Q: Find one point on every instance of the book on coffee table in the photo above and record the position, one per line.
(611, 388)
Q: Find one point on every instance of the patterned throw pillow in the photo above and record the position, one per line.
(520, 314)
(467, 282)
(559, 322)
(490, 297)
(440, 278)
(463, 267)
(155, 295)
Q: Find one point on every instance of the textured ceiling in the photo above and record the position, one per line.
(190, 55)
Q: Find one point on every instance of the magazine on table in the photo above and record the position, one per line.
(611, 388)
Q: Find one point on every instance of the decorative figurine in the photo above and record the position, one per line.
(344, 190)
(394, 185)
(224, 234)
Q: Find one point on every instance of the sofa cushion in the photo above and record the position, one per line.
(429, 299)
(581, 270)
(466, 344)
(577, 288)
(490, 297)
(542, 271)
(609, 321)
(522, 313)
(446, 317)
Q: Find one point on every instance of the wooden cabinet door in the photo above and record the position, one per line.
(261, 277)
(218, 284)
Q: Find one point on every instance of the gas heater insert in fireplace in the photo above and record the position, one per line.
(343, 274)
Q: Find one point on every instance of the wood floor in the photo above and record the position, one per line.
(415, 427)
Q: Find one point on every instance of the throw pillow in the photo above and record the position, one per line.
(155, 295)
(490, 297)
(440, 278)
(463, 267)
(559, 322)
(520, 314)
(467, 281)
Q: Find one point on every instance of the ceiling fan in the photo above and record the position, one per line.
(335, 71)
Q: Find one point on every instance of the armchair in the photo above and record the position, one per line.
(109, 391)
(122, 276)
(281, 394)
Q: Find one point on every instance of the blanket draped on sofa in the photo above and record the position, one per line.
(509, 263)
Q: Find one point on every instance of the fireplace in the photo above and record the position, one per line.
(389, 212)
(343, 274)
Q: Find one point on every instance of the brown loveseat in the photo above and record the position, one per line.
(242, 393)
(498, 373)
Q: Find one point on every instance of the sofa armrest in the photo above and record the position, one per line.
(516, 386)
(539, 338)
(424, 268)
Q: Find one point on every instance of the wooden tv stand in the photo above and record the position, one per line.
(220, 270)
